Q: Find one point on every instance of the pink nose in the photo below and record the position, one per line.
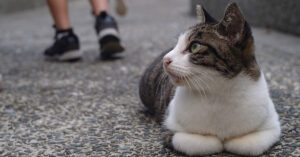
(167, 61)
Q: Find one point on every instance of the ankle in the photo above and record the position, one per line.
(62, 27)
(59, 33)
(69, 30)
(102, 14)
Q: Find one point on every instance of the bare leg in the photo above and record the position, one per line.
(59, 12)
(107, 30)
(99, 6)
(69, 50)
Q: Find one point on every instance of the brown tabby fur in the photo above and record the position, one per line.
(156, 89)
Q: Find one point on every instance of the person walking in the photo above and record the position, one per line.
(66, 46)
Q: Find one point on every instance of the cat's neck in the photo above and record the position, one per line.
(241, 84)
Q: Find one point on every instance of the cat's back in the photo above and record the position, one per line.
(155, 88)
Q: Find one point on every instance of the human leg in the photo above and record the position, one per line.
(66, 45)
(99, 6)
(60, 14)
(107, 30)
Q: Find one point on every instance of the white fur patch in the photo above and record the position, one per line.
(179, 48)
(254, 143)
(239, 109)
(179, 59)
(193, 144)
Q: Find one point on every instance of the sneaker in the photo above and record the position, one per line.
(108, 35)
(65, 48)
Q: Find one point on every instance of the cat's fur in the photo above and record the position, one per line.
(217, 98)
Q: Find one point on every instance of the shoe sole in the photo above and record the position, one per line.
(110, 49)
(73, 55)
(70, 55)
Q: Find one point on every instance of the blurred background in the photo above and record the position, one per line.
(274, 14)
(91, 107)
(277, 14)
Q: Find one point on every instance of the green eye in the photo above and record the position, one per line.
(195, 47)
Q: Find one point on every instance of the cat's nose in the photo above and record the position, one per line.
(167, 61)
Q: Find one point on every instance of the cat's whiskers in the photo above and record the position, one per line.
(205, 84)
(181, 70)
(187, 82)
(186, 75)
(202, 73)
(199, 87)
(204, 78)
(203, 81)
(193, 72)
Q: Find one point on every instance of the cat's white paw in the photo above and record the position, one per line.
(195, 144)
(253, 144)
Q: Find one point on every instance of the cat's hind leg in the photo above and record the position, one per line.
(253, 144)
(196, 144)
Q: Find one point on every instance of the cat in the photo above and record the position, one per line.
(209, 92)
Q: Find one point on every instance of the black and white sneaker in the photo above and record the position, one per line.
(108, 35)
(65, 47)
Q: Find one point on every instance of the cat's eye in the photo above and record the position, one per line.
(195, 47)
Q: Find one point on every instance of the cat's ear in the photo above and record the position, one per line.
(203, 15)
(232, 24)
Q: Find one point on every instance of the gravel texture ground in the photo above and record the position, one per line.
(91, 107)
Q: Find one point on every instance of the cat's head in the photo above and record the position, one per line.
(213, 50)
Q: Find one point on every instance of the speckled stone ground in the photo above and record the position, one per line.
(91, 108)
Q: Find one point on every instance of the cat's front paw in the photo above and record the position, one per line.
(196, 144)
(253, 144)
(243, 147)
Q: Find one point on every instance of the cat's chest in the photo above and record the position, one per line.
(219, 116)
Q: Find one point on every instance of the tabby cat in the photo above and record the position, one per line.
(209, 92)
